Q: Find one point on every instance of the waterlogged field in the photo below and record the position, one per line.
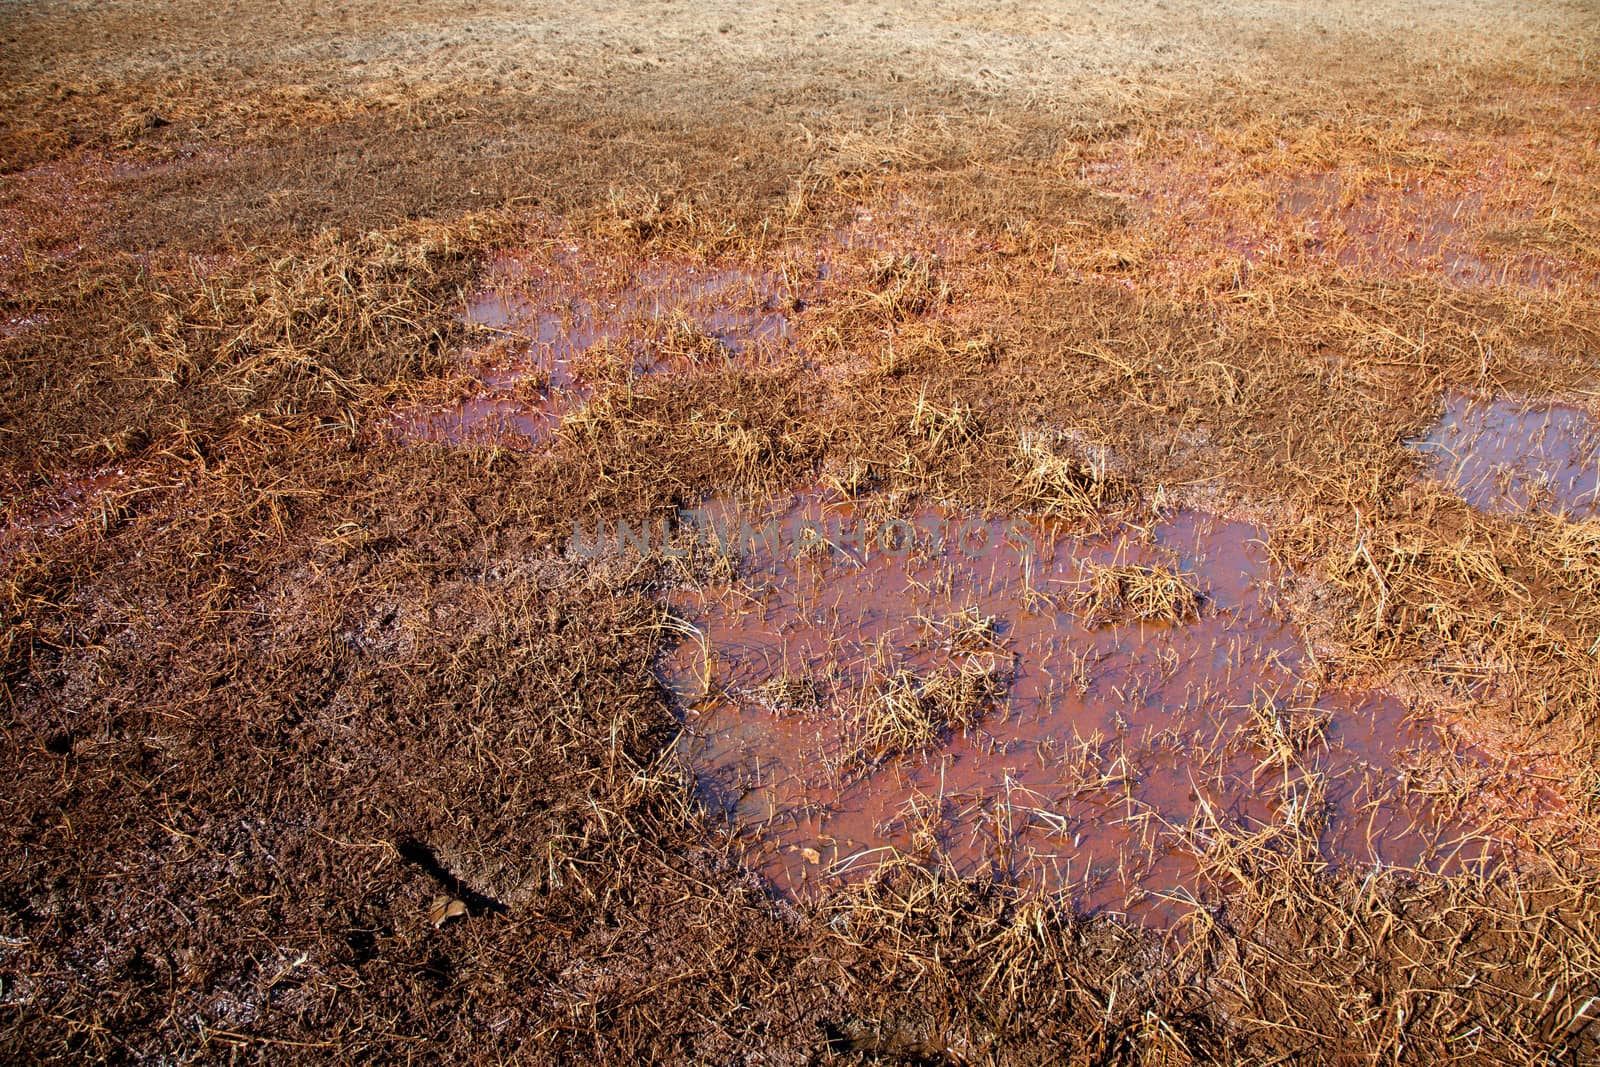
(873, 534)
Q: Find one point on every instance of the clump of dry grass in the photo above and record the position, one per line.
(852, 477)
(943, 425)
(654, 442)
(1114, 594)
(664, 221)
(645, 217)
(530, 376)
(908, 713)
(900, 720)
(935, 347)
(681, 338)
(1286, 732)
(966, 632)
(885, 319)
(905, 286)
(789, 694)
(967, 692)
(608, 361)
(1059, 475)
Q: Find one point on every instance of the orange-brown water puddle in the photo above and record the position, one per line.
(1508, 456)
(1469, 215)
(1422, 223)
(48, 509)
(552, 323)
(1109, 753)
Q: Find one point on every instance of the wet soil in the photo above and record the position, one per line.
(1472, 230)
(262, 718)
(48, 509)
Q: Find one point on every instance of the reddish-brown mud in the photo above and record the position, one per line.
(1474, 229)
(58, 504)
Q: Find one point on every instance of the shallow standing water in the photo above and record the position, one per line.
(1507, 456)
(1108, 753)
(552, 324)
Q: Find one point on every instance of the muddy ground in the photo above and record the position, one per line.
(323, 326)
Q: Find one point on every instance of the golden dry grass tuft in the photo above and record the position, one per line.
(908, 713)
(1053, 477)
(1115, 594)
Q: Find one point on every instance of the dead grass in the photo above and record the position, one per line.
(908, 713)
(1286, 732)
(1491, 995)
(1060, 476)
(685, 340)
(308, 339)
(903, 287)
(1116, 594)
(792, 695)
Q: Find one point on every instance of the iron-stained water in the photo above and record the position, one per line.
(540, 315)
(1113, 753)
(1507, 456)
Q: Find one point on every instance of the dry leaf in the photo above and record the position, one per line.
(444, 908)
(811, 855)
